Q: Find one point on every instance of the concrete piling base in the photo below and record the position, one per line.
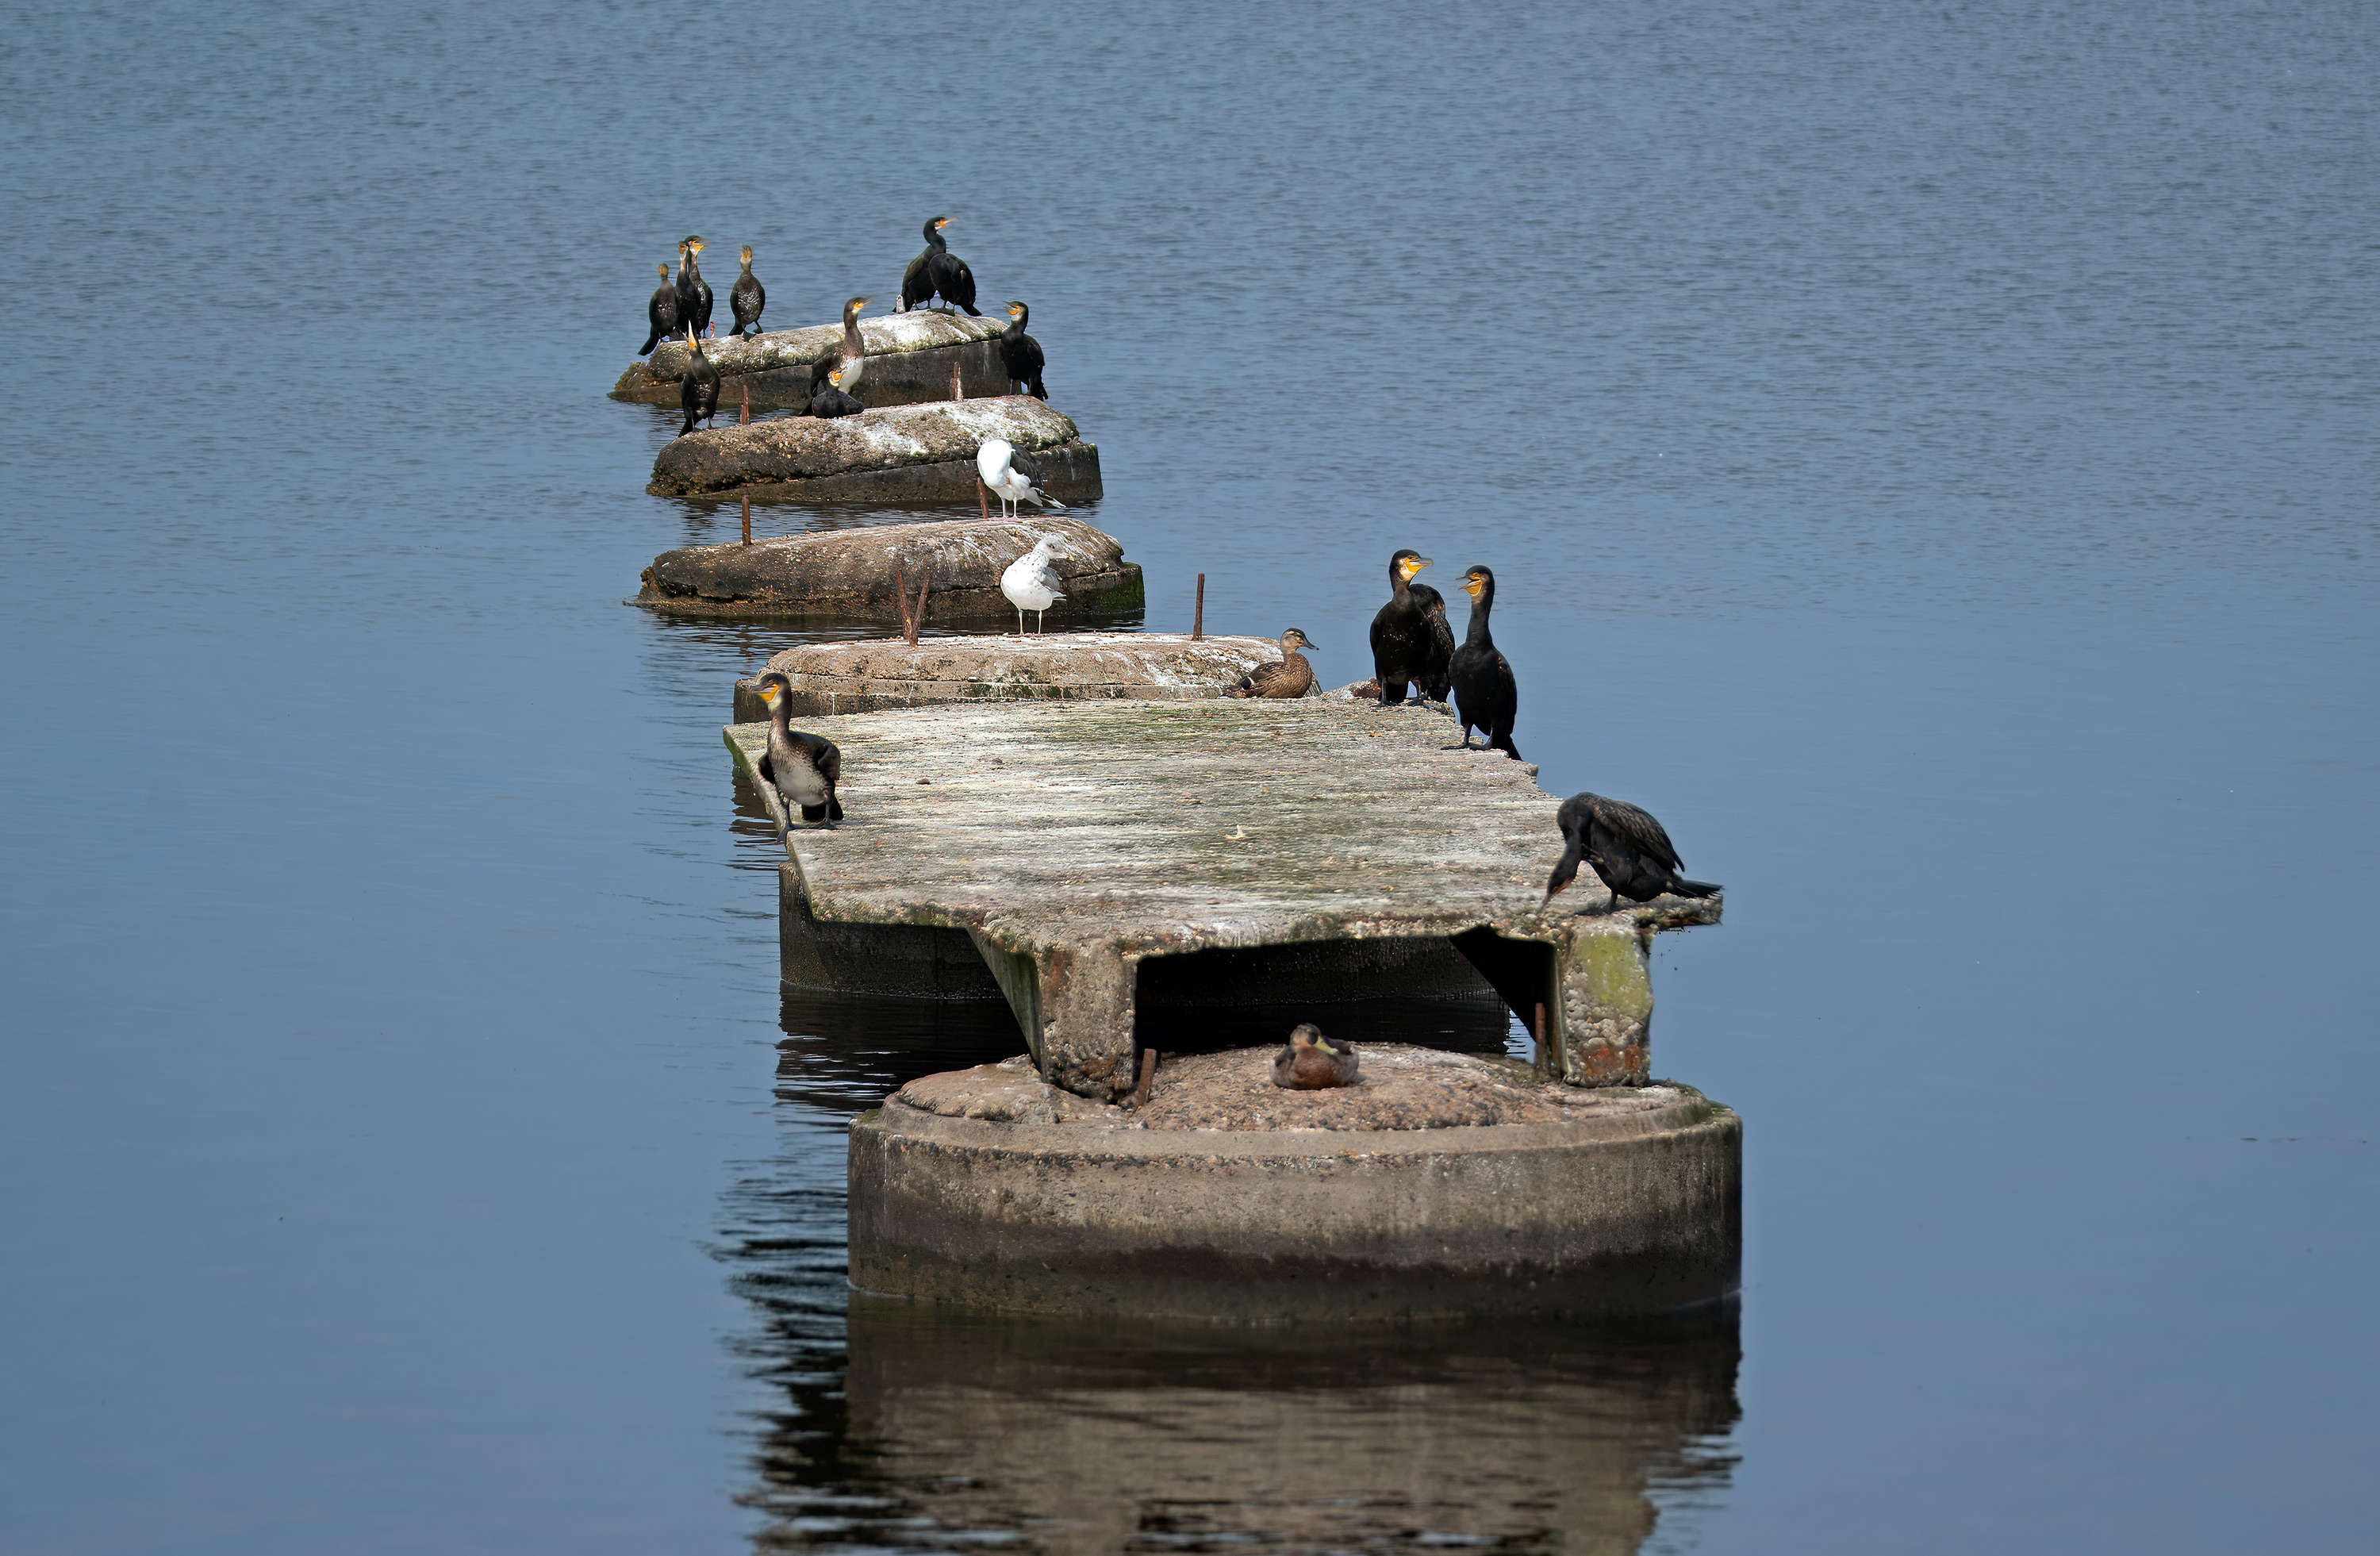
(1443, 1184)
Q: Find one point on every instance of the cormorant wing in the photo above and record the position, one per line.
(1639, 831)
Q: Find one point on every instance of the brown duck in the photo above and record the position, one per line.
(1292, 677)
(1312, 1063)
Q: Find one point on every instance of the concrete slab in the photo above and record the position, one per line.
(909, 361)
(877, 673)
(915, 452)
(851, 572)
(1445, 1184)
(1075, 842)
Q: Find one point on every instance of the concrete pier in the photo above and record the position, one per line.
(862, 677)
(920, 453)
(854, 571)
(909, 361)
(1078, 844)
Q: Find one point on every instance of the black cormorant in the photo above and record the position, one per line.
(661, 313)
(938, 270)
(1407, 644)
(802, 768)
(746, 297)
(829, 400)
(1629, 851)
(1290, 677)
(1313, 1063)
(1484, 692)
(698, 392)
(693, 291)
(1021, 353)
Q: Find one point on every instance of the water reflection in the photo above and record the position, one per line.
(893, 1427)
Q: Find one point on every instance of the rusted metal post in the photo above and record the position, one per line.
(747, 513)
(982, 504)
(1543, 1060)
(746, 414)
(1198, 613)
(958, 390)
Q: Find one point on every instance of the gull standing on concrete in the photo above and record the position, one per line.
(1012, 477)
(1031, 584)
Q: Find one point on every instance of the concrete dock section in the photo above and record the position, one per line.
(863, 677)
(855, 571)
(913, 453)
(909, 361)
(1079, 844)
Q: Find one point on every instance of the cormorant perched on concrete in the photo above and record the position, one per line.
(803, 767)
(1629, 851)
(698, 392)
(938, 270)
(830, 401)
(850, 355)
(661, 313)
(1407, 644)
(693, 291)
(1022, 352)
(746, 297)
(1290, 677)
(1012, 476)
(1484, 692)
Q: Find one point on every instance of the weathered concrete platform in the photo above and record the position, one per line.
(852, 571)
(915, 452)
(871, 675)
(909, 361)
(1442, 1184)
(1077, 844)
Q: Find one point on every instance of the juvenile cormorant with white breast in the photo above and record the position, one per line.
(938, 270)
(803, 767)
(1484, 692)
(1625, 846)
(850, 353)
(1408, 641)
(1021, 354)
(1012, 476)
(661, 312)
(1290, 677)
(746, 297)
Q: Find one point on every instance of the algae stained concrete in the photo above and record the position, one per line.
(909, 361)
(916, 451)
(861, 677)
(1074, 841)
(856, 570)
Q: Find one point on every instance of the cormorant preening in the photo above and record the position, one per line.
(1031, 584)
(1407, 643)
(1021, 353)
(830, 401)
(698, 392)
(802, 768)
(1313, 1063)
(938, 270)
(661, 313)
(1290, 677)
(746, 297)
(693, 291)
(1484, 692)
(1012, 476)
(1627, 849)
(850, 355)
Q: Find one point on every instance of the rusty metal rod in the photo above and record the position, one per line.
(748, 520)
(982, 504)
(1198, 613)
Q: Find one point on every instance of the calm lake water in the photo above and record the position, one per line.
(1929, 455)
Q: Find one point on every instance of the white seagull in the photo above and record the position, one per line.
(1031, 584)
(1012, 477)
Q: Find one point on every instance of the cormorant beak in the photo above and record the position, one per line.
(944, 223)
(768, 691)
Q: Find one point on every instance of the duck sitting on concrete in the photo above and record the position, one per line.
(1290, 677)
(1013, 477)
(1312, 1063)
(1031, 584)
(802, 768)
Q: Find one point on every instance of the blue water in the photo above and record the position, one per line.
(1928, 458)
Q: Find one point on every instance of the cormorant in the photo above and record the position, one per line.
(1629, 851)
(661, 313)
(1407, 644)
(1013, 476)
(802, 768)
(1031, 584)
(938, 270)
(1484, 692)
(850, 353)
(1313, 1063)
(746, 297)
(698, 392)
(830, 401)
(693, 291)
(1290, 677)
(1021, 353)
